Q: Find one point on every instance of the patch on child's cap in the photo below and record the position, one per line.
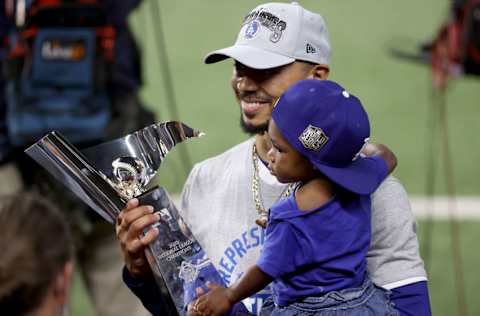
(345, 94)
(313, 138)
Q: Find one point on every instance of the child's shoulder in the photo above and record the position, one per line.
(283, 208)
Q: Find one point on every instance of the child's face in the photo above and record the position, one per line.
(284, 162)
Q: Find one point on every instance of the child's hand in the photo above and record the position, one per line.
(192, 306)
(215, 303)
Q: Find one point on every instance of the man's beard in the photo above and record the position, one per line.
(253, 129)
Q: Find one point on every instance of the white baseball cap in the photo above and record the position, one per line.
(277, 34)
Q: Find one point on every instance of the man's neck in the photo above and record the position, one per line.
(262, 145)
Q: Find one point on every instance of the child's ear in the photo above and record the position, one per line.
(319, 72)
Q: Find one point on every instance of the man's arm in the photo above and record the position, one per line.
(371, 150)
(412, 299)
(393, 259)
(148, 293)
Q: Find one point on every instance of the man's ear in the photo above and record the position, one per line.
(62, 283)
(319, 72)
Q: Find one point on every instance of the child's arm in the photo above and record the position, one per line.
(381, 150)
(219, 300)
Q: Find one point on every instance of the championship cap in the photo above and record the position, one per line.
(329, 126)
(277, 34)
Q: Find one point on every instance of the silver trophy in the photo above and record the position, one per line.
(107, 175)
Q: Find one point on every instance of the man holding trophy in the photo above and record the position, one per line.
(278, 45)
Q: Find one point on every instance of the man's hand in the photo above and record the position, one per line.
(371, 150)
(131, 223)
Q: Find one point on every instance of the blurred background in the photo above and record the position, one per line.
(174, 36)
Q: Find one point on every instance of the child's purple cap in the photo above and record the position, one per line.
(329, 126)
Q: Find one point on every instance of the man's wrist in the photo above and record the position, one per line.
(131, 279)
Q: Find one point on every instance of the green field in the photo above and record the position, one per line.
(396, 94)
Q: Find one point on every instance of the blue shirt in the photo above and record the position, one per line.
(310, 253)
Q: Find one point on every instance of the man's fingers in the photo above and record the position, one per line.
(130, 213)
(150, 236)
(133, 247)
(132, 203)
(136, 228)
(127, 218)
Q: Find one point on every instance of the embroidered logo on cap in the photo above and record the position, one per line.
(269, 20)
(313, 138)
(310, 49)
(252, 29)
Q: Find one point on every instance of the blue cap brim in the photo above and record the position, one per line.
(361, 176)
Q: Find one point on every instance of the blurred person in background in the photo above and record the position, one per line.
(37, 255)
(71, 66)
(278, 44)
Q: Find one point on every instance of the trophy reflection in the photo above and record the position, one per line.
(107, 175)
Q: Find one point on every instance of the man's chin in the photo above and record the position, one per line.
(253, 129)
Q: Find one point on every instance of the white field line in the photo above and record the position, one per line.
(441, 207)
(463, 207)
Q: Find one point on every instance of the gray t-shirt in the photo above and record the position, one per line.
(218, 206)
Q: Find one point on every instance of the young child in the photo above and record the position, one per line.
(318, 237)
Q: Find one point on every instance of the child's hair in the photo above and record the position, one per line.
(36, 244)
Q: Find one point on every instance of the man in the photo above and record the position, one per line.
(278, 44)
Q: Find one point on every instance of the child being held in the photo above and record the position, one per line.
(317, 238)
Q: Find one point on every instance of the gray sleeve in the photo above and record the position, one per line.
(394, 258)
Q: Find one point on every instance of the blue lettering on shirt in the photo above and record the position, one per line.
(245, 241)
(230, 253)
(225, 265)
(238, 248)
(254, 235)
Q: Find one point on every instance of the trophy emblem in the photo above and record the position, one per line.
(188, 271)
(107, 175)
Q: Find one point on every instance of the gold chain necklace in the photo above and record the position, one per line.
(262, 212)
